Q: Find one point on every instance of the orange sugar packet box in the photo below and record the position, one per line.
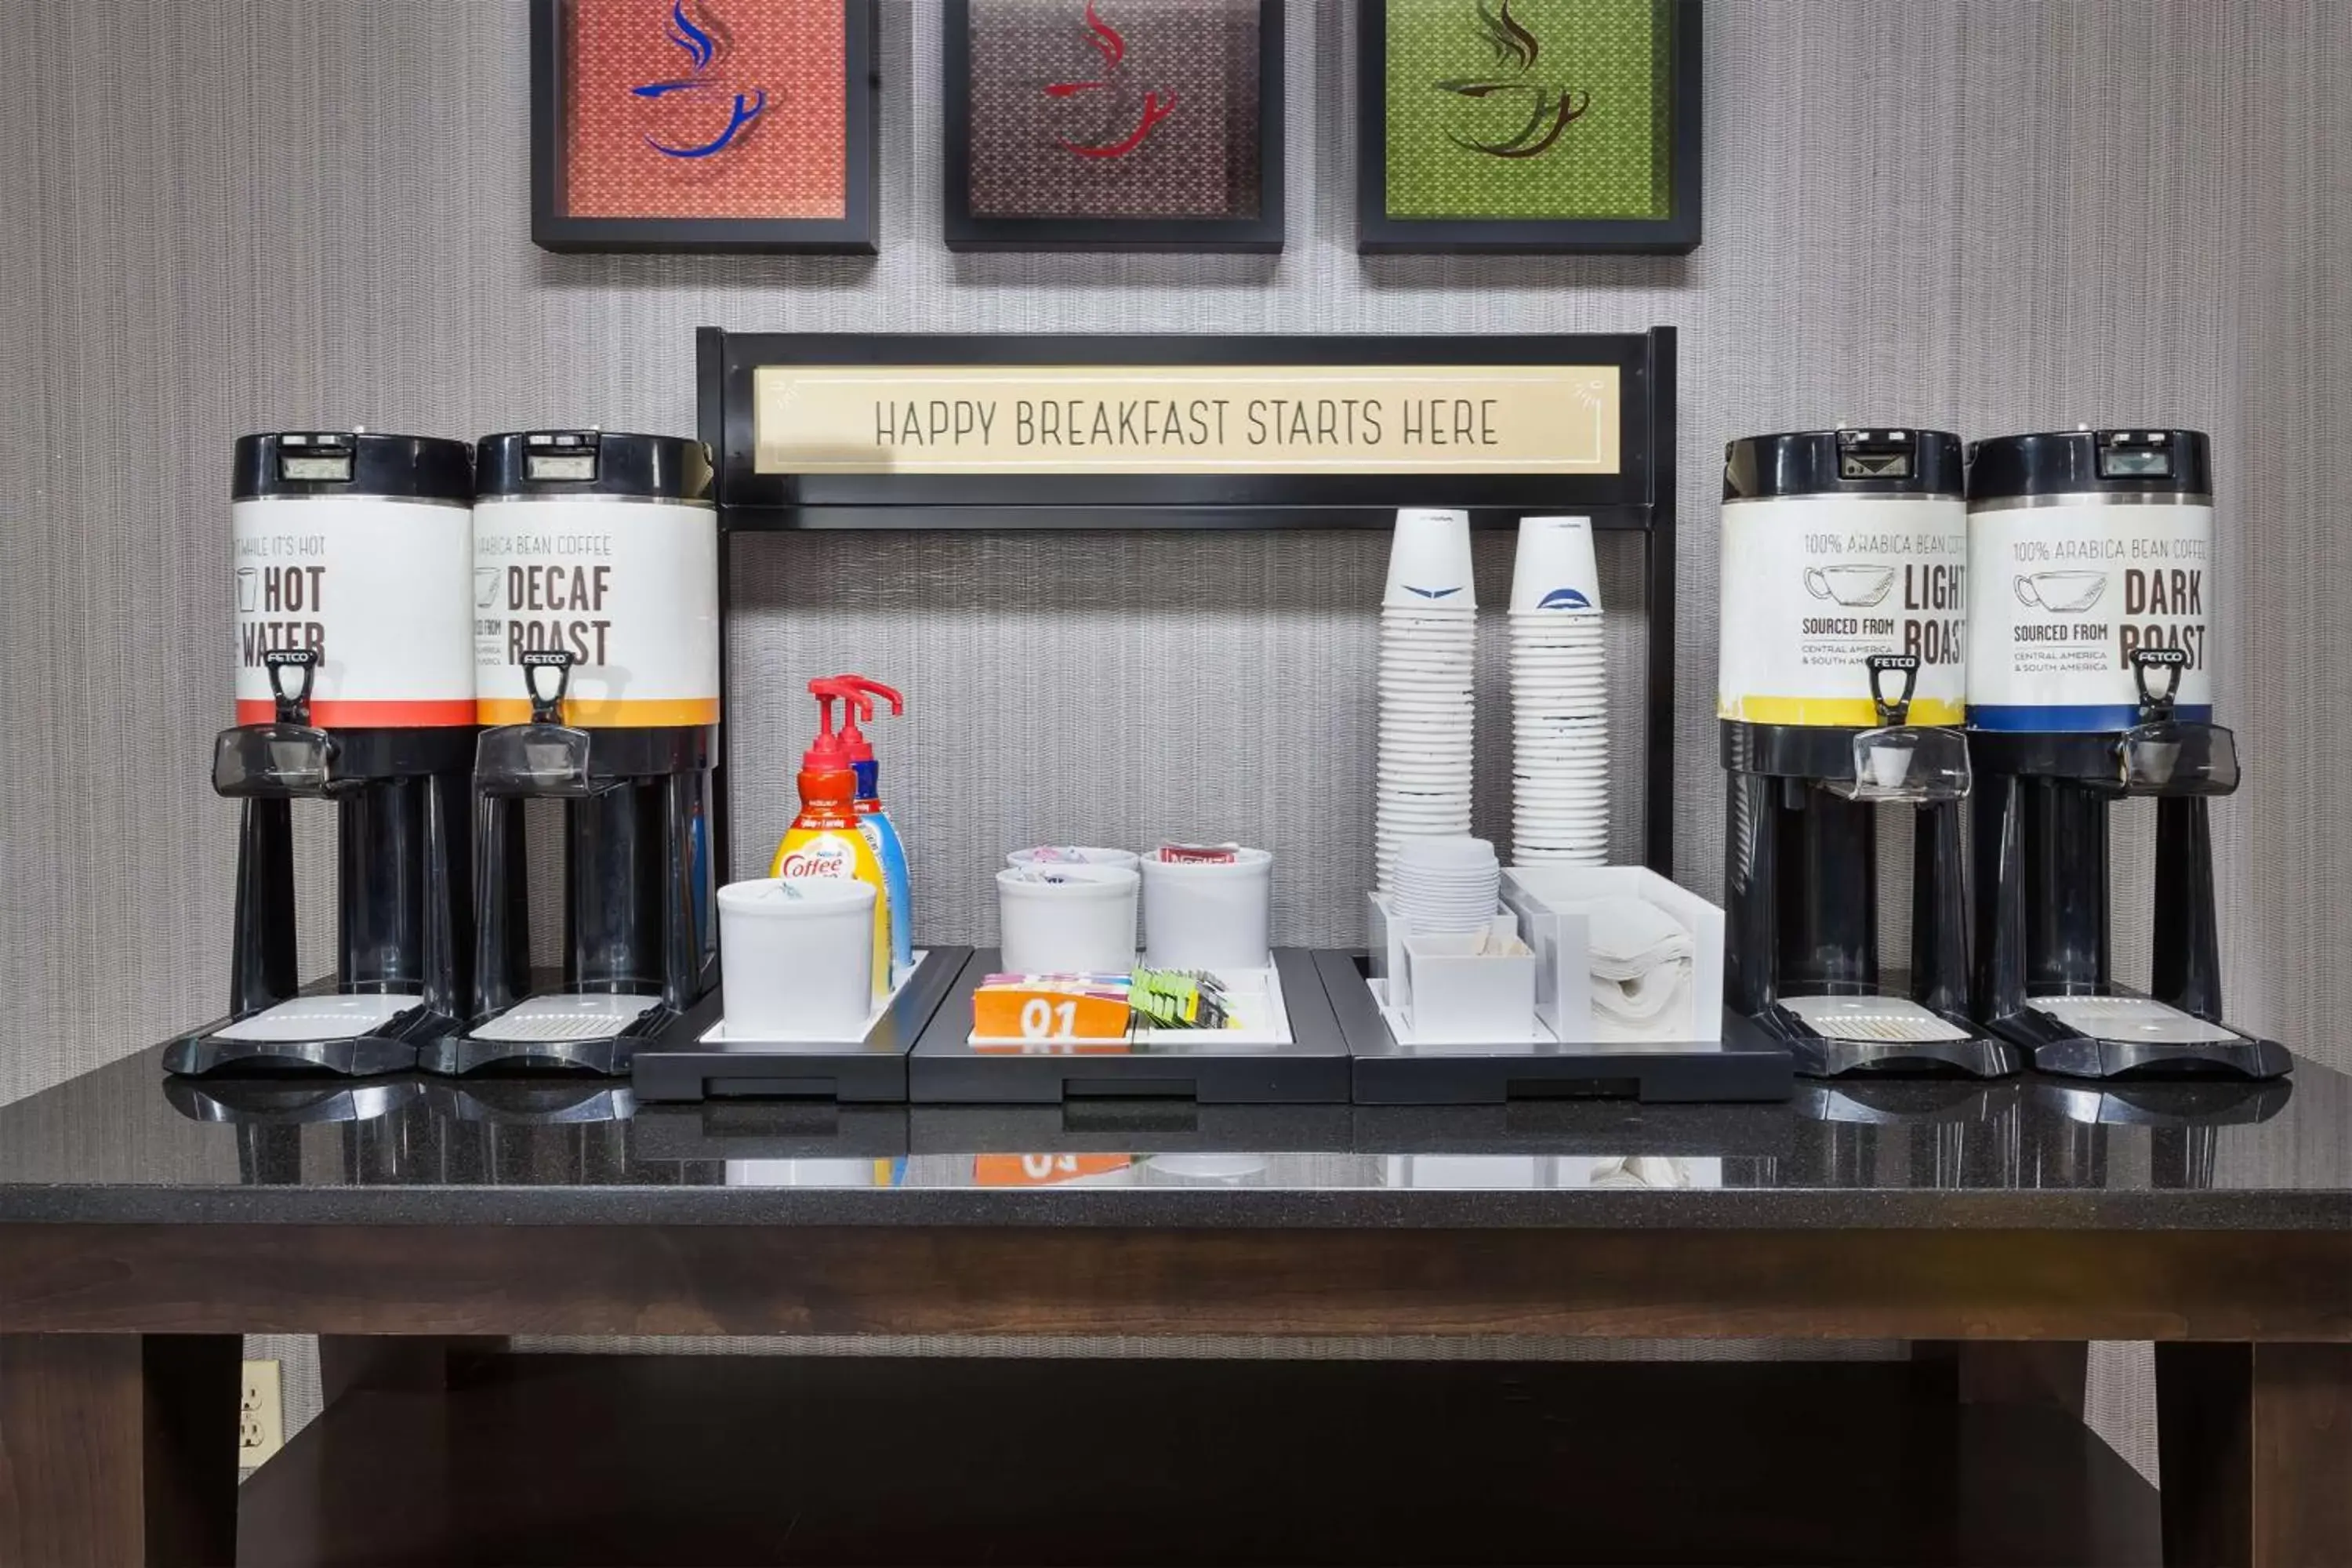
(1046, 1007)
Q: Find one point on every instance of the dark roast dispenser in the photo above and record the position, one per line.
(1843, 631)
(2090, 683)
(354, 686)
(596, 587)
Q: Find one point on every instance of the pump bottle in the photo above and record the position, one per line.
(827, 840)
(880, 831)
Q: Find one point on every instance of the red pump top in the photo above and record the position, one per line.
(828, 774)
(860, 749)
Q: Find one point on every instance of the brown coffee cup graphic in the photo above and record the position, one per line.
(2061, 593)
(1856, 587)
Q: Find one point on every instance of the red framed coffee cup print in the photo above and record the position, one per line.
(717, 125)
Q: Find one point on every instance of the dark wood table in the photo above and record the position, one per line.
(142, 1229)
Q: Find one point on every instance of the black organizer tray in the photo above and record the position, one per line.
(680, 1067)
(1745, 1065)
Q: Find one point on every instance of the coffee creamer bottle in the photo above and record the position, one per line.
(826, 838)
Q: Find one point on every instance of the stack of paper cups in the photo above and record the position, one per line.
(1560, 704)
(1429, 640)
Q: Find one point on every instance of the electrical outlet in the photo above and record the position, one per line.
(260, 1414)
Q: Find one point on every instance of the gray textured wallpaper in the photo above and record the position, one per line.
(219, 216)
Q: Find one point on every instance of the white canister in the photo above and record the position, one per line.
(358, 548)
(798, 958)
(1066, 920)
(605, 547)
(1839, 545)
(1209, 914)
(2084, 547)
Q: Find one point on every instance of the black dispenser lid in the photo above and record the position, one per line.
(2091, 462)
(1880, 461)
(352, 463)
(592, 462)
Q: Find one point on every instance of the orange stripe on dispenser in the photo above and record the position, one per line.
(357, 715)
(608, 713)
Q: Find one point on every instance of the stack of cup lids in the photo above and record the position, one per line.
(1429, 640)
(1560, 704)
(1446, 885)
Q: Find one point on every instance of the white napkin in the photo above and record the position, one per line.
(1630, 937)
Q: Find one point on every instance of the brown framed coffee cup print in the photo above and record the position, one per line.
(1113, 124)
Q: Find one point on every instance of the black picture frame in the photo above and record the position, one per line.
(964, 231)
(1677, 234)
(851, 233)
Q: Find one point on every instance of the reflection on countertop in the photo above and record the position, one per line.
(125, 1142)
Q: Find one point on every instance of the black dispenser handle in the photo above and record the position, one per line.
(547, 707)
(294, 705)
(1897, 710)
(2154, 704)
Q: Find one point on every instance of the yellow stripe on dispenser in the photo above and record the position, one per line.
(1834, 712)
(607, 713)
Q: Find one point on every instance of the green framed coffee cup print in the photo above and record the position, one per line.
(1530, 125)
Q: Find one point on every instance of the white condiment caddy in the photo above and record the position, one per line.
(1443, 991)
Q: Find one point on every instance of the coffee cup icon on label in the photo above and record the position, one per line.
(1856, 587)
(486, 587)
(2061, 593)
(249, 589)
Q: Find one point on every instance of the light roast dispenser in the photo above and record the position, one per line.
(1841, 688)
(596, 644)
(2091, 681)
(351, 554)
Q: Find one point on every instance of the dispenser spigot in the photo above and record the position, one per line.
(547, 708)
(294, 706)
(2155, 705)
(1897, 710)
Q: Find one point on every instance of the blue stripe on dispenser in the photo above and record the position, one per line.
(2066, 719)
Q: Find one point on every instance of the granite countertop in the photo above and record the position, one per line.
(124, 1145)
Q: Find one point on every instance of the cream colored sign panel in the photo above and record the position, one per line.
(1176, 420)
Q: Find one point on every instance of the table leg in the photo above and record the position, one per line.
(2255, 1446)
(118, 1448)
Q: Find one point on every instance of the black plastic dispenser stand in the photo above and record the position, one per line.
(2046, 978)
(401, 926)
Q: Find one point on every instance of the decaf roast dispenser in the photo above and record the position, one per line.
(350, 557)
(595, 580)
(2091, 592)
(1842, 687)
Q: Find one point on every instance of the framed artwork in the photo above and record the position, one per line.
(1527, 125)
(709, 125)
(1113, 124)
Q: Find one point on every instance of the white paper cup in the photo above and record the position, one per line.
(1077, 920)
(1209, 914)
(1554, 569)
(1429, 562)
(798, 957)
(1072, 855)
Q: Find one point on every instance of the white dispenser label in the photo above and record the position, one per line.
(376, 586)
(1812, 586)
(2061, 596)
(630, 589)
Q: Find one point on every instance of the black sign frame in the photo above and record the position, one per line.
(1638, 498)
